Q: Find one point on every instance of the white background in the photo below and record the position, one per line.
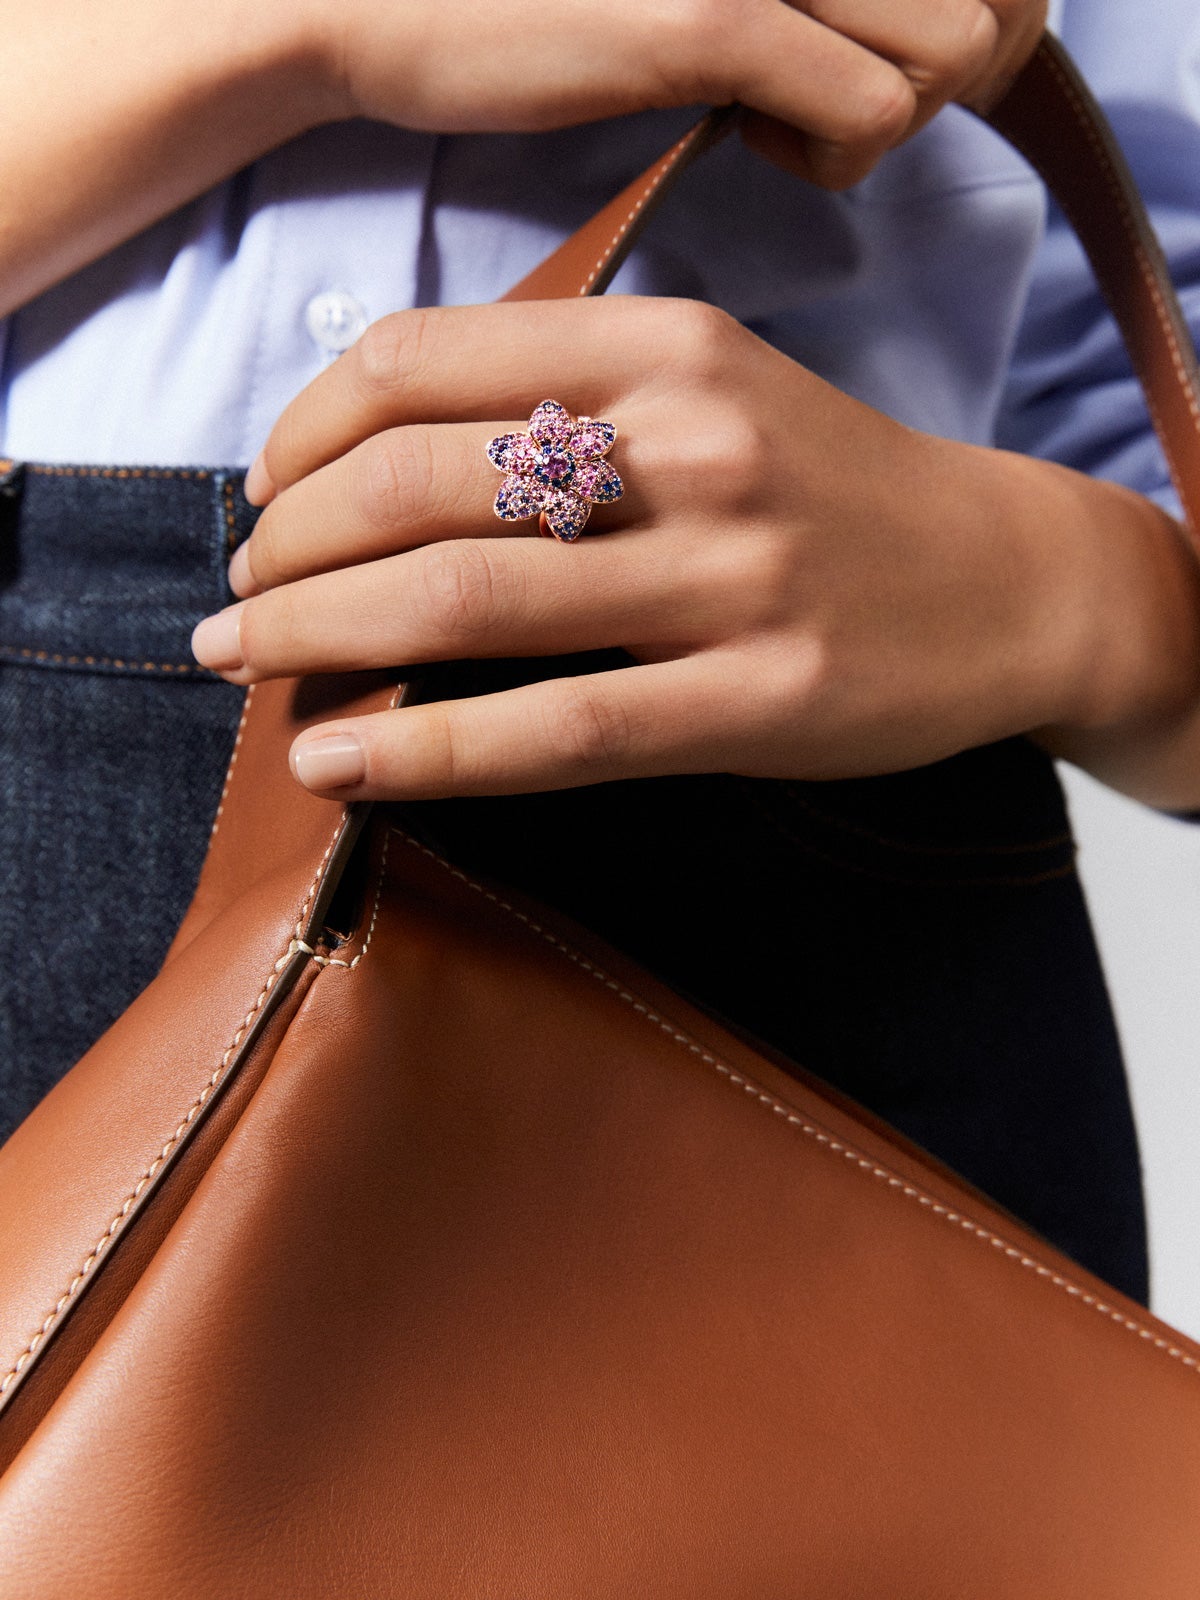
(1141, 873)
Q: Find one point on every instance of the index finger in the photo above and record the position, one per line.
(465, 364)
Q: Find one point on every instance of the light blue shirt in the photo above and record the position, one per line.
(937, 290)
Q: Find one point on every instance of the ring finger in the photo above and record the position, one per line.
(401, 489)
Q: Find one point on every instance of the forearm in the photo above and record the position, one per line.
(116, 112)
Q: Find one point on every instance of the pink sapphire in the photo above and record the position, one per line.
(555, 468)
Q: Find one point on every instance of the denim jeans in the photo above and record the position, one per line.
(113, 744)
(920, 940)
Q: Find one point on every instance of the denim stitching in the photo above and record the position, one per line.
(56, 658)
(196, 474)
(230, 516)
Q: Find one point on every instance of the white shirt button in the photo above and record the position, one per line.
(335, 319)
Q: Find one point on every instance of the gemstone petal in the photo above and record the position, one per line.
(552, 425)
(566, 514)
(598, 482)
(593, 439)
(519, 498)
(512, 452)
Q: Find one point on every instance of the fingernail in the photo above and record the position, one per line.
(241, 579)
(216, 642)
(334, 762)
(258, 487)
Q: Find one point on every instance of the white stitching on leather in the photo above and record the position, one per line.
(135, 1193)
(237, 745)
(147, 1177)
(299, 947)
(823, 1138)
(664, 168)
(295, 945)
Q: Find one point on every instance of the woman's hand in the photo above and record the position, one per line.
(114, 115)
(833, 83)
(808, 588)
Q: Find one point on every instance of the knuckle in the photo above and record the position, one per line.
(459, 589)
(980, 41)
(727, 460)
(285, 447)
(702, 337)
(698, 37)
(266, 550)
(258, 633)
(390, 351)
(872, 121)
(377, 356)
(881, 112)
(966, 46)
(446, 754)
(777, 579)
(686, 50)
(389, 478)
(591, 730)
(799, 678)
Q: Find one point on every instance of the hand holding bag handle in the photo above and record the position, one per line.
(464, 1259)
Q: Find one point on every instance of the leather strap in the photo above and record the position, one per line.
(268, 823)
(1051, 117)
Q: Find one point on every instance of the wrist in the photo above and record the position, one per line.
(1133, 589)
(1129, 593)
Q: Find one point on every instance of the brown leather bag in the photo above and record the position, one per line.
(457, 1257)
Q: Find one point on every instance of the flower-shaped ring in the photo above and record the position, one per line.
(556, 469)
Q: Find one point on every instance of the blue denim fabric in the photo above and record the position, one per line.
(113, 745)
(919, 940)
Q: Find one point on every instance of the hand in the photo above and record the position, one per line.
(833, 83)
(103, 133)
(808, 588)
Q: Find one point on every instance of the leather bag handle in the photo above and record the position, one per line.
(1048, 114)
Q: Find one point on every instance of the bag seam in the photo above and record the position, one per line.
(295, 946)
(827, 1141)
(298, 945)
(233, 756)
(70, 1293)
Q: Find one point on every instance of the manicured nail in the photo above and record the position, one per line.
(241, 579)
(216, 642)
(334, 762)
(258, 487)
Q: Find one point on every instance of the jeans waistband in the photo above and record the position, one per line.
(109, 568)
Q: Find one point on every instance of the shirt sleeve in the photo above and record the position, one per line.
(1071, 395)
